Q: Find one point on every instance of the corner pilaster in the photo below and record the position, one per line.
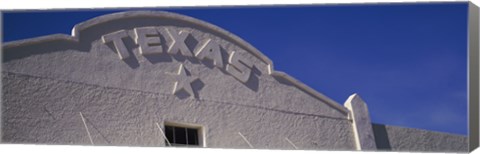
(362, 126)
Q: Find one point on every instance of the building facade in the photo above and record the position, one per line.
(148, 78)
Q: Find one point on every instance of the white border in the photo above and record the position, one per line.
(70, 149)
(7, 5)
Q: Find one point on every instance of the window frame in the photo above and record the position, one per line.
(200, 133)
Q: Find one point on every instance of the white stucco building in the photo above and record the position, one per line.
(162, 79)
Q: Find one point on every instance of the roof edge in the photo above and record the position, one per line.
(311, 91)
(76, 31)
(39, 40)
(91, 23)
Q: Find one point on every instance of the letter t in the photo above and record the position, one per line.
(116, 38)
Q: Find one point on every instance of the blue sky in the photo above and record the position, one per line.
(407, 61)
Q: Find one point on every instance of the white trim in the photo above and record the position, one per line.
(361, 124)
(311, 91)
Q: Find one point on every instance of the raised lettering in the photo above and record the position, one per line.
(239, 67)
(178, 43)
(116, 38)
(148, 40)
(210, 50)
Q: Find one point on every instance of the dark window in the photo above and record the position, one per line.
(181, 136)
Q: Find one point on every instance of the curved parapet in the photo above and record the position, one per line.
(83, 34)
(129, 78)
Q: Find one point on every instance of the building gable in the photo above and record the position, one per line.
(169, 54)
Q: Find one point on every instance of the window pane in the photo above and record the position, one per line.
(180, 135)
(192, 136)
(169, 134)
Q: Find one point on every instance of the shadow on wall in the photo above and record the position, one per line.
(381, 137)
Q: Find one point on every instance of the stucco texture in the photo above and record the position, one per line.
(50, 82)
(47, 85)
(394, 138)
(50, 114)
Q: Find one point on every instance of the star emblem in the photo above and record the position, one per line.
(183, 81)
